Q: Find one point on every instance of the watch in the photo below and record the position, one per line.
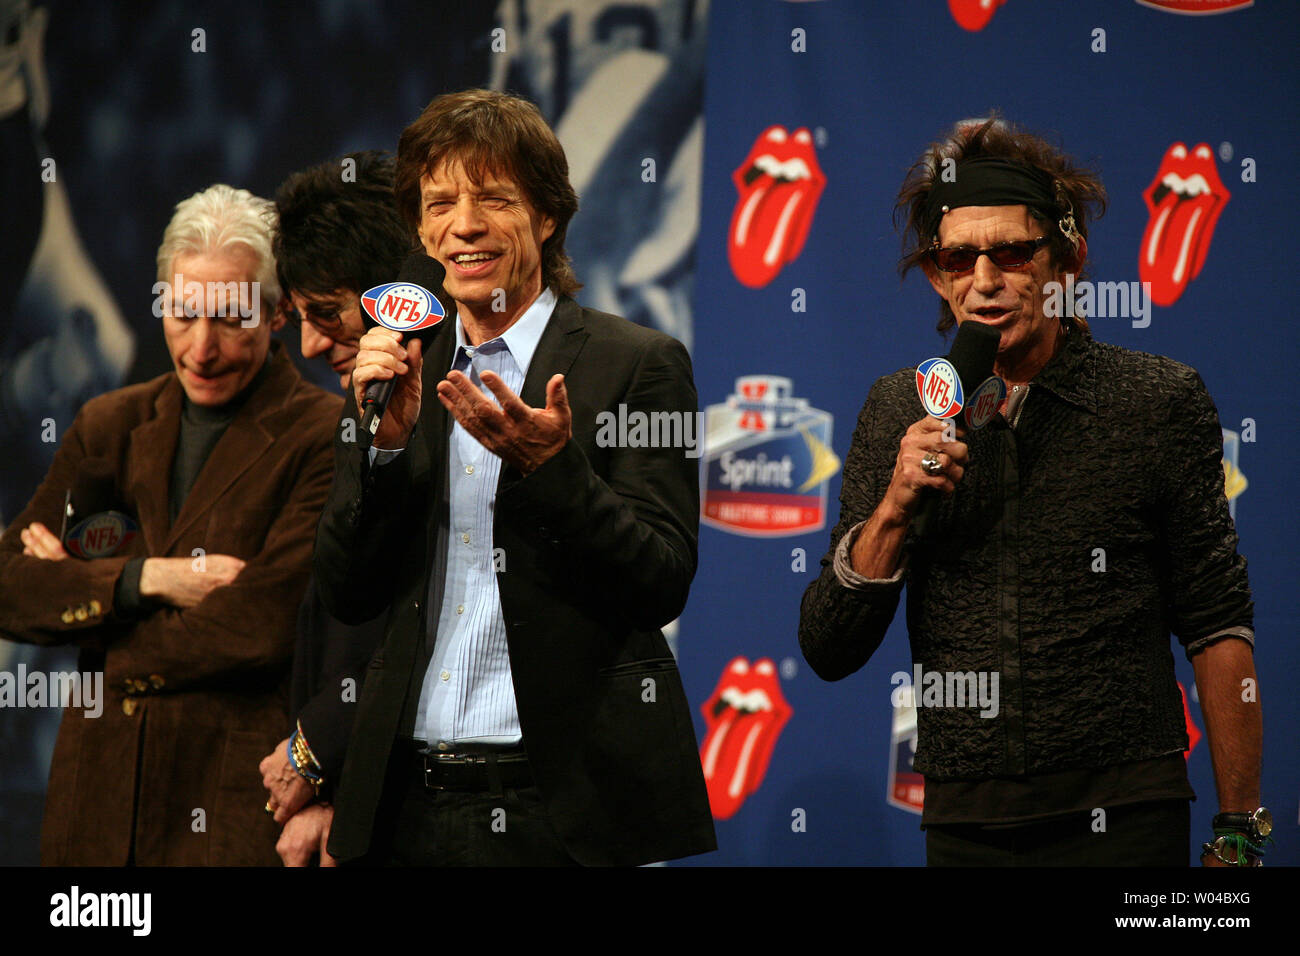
(1257, 824)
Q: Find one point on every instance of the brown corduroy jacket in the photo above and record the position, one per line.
(192, 699)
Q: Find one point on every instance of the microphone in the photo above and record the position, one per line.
(944, 385)
(412, 306)
(92, 527)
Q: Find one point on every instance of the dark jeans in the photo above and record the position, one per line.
(415, 826)
(1138, 834)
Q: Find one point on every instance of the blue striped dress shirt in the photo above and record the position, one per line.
(468, 695)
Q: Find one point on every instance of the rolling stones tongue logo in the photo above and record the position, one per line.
(779, 185)
(1184, 202)
(973, 14)
(1193, 732)
(1197, 6)
(745, 716)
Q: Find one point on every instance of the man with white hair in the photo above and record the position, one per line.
(215, 474)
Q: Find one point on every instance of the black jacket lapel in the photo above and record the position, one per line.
(556, 351)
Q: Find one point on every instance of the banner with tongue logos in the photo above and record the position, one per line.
(737, 163)
(814, 113)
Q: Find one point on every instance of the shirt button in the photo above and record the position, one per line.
(445, 675)
(469, 469)
(465, 537)
(460, 609)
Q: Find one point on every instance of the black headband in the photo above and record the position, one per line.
(988, 181)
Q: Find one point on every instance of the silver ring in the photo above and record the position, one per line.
(930, 463)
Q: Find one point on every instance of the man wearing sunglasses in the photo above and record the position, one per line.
(1073, 534)
(339, 233)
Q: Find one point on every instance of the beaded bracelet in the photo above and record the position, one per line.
(299, 757)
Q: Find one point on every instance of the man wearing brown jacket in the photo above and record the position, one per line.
(220, 468)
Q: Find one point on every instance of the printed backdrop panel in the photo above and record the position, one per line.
(737, 186)
(815, 111)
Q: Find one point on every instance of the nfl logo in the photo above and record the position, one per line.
(939, 387)
(403, 306)
(985, 401)
(101, 535)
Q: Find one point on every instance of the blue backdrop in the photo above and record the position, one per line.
(790, 302)
(873, 83)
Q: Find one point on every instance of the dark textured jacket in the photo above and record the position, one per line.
(1116, 455)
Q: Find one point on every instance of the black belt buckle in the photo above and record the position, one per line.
(459, 772)
(433, 777)
(427, 760)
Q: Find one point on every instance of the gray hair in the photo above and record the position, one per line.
(216, 219)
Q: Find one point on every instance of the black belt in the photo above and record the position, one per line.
(486, 772)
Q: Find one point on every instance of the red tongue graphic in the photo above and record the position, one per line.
(1175, 244)
(1178, 232)
(973, 15)
(733, 743)
(768, 228)
(740, 740)
(779, 185)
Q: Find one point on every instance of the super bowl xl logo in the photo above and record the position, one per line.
(1234, 481)
(779, 184)
(767, 458)
(403, 306)
(1183, 205)
(906, 787)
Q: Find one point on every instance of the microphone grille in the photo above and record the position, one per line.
(423, 270)
(973, 352)
(94, 487)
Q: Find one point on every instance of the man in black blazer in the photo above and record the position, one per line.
(530, 713)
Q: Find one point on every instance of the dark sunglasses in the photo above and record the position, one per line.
(326, 326)
(1004, 254)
